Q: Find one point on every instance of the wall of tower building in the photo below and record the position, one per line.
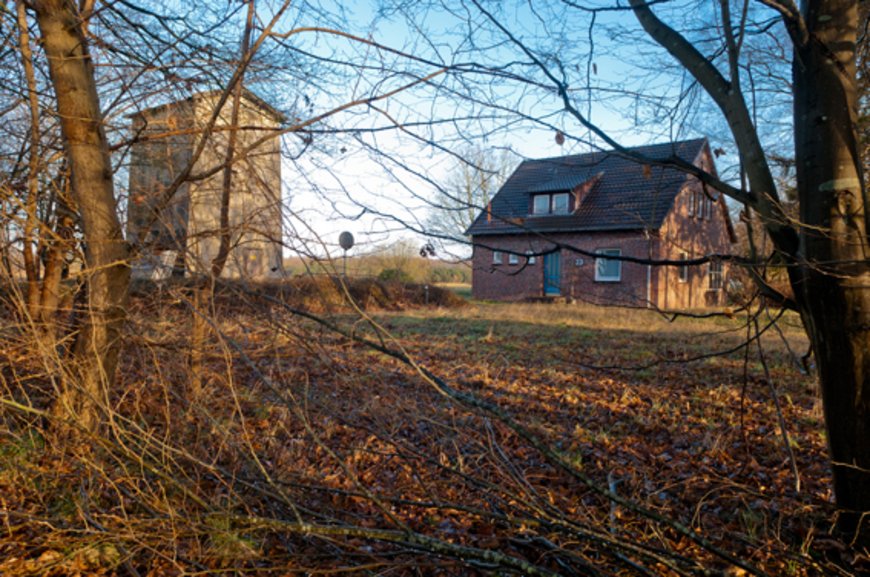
(184, 236)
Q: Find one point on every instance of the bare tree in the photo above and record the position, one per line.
(106, 255)
(731, 57)
(469, 186)
(826, 252)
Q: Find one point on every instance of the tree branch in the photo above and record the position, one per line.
(763, 195)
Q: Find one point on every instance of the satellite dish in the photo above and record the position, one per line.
(345, 241)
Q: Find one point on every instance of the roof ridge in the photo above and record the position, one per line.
(617, 152)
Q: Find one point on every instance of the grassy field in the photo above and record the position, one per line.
(489, 438)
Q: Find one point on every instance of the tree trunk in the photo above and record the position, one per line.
(31, 262)
(226, 232)
(58, 246)
(832, 276)
(106, 253)
(204, 292)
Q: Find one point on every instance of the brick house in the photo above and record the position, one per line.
(183, 238)
(605, 203)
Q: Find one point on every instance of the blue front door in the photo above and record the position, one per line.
(552, 272)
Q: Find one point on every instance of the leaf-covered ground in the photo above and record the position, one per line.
(300, 449)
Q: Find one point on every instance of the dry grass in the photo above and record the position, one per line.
(619, 318)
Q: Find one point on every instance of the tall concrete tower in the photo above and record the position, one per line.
(181, 235)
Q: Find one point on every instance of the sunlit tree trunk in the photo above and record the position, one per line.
(106, 254)
(31, 262)
(832, 280)
(226, 232)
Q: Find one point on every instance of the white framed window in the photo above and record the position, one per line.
(555, 203)
(530, 258)
(513, 259)
(497, 257)
(714, 275)
(541, 204)
(607, 269)
(684, 269)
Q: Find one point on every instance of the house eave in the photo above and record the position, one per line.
(561, 230)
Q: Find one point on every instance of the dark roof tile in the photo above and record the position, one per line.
(630, 195)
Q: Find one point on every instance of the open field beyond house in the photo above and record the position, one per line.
(420, 440)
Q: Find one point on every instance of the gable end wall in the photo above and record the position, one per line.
(684, 232)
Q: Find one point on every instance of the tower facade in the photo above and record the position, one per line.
(180, 235)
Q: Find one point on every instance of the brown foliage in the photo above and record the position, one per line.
(324, 293)
(308, 451)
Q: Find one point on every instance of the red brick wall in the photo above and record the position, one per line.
(505, 281)
(524, 280)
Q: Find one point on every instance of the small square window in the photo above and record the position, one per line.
(608, 270)
(496, 257)
(513, 259)
(560, 203)
(541, 204)
(531, 259)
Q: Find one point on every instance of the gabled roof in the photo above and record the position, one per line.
(629, 195)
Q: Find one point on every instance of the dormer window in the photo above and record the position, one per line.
(554, 203)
